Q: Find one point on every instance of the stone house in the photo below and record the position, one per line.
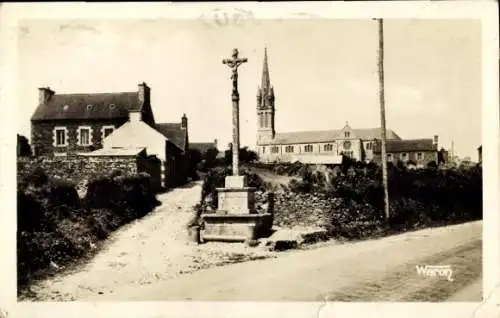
(413, 152)
(72, 124)
(135, 133)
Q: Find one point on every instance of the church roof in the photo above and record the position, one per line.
(409, 145)
(88, 106)
(174, 133)
(303, 137)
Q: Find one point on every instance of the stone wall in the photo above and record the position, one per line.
(79, 169)
(295, 209)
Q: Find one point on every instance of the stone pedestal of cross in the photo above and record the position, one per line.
(236, 218)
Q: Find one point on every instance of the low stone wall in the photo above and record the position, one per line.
(296, 209)
(79, 169)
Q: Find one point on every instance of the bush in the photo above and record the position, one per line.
(54, 225)
(418, 198)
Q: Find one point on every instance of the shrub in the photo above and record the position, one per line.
(352, 220)
(418, 198)
(54, 225)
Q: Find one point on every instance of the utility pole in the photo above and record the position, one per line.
(382, 113)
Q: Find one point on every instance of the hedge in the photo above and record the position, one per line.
(55, 225)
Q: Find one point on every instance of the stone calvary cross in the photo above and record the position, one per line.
(234, 63)
(236, 218)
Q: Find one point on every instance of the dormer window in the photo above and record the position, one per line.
(111, 106)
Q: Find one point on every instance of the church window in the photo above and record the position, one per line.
(275, 149)
(289, 148)
(347, 134)
(368, 145)
(308, 148)
(328, 147)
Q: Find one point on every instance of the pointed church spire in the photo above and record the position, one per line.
(266, 82)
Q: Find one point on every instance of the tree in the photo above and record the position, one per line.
(210, 158)
(245, 155)
(23, 147)
(194, 158)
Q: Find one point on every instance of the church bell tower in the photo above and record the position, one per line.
(265, 106)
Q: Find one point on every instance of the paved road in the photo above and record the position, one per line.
(379, 270)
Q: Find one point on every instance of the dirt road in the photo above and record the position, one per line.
(380, 270)
(154, 248)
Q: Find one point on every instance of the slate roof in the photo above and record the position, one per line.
(125, 151)
(202, 146)
(302, 137)
(410, 145)
(75, 106)
(174, 133)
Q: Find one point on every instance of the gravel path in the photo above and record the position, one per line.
(152, 249)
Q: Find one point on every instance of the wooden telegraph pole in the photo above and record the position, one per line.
(382, 113)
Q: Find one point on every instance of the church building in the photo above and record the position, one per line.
(328, 146)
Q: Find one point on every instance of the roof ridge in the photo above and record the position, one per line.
(99, 93)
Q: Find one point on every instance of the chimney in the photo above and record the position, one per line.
(44, 94)
(435, 141)
(144, 93)
(135, 116)
(184, 122)
(215, 143)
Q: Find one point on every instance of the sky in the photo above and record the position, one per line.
(324, 73)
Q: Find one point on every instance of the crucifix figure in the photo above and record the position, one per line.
(234, 63)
